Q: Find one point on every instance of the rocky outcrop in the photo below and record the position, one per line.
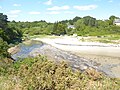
(14, 50)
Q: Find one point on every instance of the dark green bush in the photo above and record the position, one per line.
(3, 49)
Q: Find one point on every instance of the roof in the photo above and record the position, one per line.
(71, 26)
(117, 21)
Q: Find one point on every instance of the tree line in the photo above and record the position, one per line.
(83, 26)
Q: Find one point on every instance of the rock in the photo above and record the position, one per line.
(83, 67)
(14, 50)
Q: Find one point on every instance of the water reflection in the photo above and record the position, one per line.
(26, 48)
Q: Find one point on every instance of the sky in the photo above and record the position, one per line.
(57, 10)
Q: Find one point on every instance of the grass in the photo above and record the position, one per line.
(38, 36)
(103, 39)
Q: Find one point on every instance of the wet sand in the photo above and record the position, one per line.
(100, 59)
(113, 63)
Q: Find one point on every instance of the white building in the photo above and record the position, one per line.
(71, 26)
(117, 22)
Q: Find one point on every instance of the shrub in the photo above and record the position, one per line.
(40, 74)
(3, 49)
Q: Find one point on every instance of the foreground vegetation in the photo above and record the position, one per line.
(41, 74)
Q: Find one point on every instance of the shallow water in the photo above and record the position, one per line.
(25, 49)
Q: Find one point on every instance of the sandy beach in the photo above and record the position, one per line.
(74, 45)
(104, 54)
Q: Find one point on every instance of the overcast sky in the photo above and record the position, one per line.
(57, 10)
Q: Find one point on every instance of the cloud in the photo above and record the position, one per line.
(59, 8)
(34, 12)
(49, 2)
(54, 12)
(15, 11)
(12, 16)
(86, 7)
(69, 12)
(110, 1)
(16, 5)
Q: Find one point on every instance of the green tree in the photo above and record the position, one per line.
(89, 21)
(3, 49)
(102, 24)
(3, 21)
(76, 18)
(9, 32)
(79, 25)
(59, 28)
(111, 19)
